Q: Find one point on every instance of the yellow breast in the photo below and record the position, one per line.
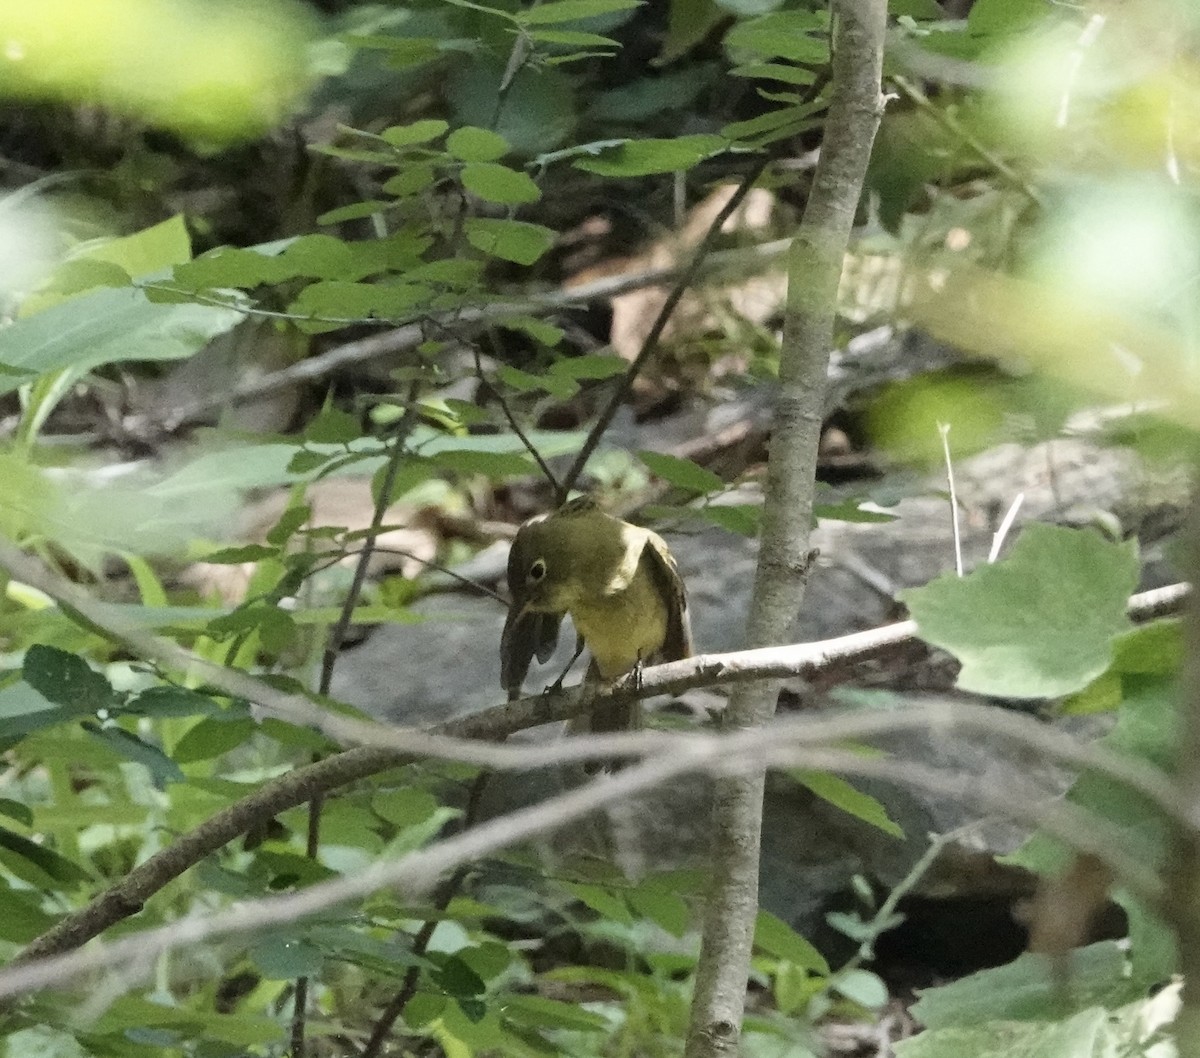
(625, 627)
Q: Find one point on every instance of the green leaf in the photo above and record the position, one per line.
(66, 679)
(107, 326)
(150, 250)
(682, 473)
(18, 811)
(1085, 1035)
(1152, 649)
(741, 518)
(296, 515)
(589, 366)
(539, 330)
(23, 710)
(410, 181)
(417, 132)
(572, 11)
(498, 183)
(127, 745)
(406, 807)
(471, 144)
(423, 1008)
(851, 511)
(355, 211)
(775, 71)
(212, 737)
(167, 701)
(337, 300)
(283, 958)
(235, 556)
(839, 793)
(23, 919)
(540, 1012)
(1102, 695)
(333, 426)
(573, 38)
(490, 464)
(664, 908)
(783, 35)
(1039, 624)
(1026, 990)
(603, 901)
(862, 987)
(646, 157)
(46, 864)
(510, 240)
(775, 937)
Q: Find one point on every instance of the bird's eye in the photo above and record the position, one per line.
(538, 570)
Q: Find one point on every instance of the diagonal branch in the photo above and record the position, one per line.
(416, 872)
(686, 277)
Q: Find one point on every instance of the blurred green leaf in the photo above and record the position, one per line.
(775, 937)
(217, 70)
(131, 747)
(572, 10)
(682, 473)
(212, 737)
(1023, 990)
(783, 35)
(415, 133)
(107, 326)
(839, 793)
(37, 864)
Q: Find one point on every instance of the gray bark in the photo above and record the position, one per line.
(814, 270)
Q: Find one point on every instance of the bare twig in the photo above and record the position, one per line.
(944, 430)
(686, 277)
(329, 657)
(1006, 523)
(495, 393)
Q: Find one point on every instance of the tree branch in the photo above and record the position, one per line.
(814, 272)
(416, 872)
(686, 277)
(390, 747)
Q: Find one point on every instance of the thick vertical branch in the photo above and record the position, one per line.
(814, 271)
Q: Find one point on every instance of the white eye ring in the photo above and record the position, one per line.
(538, 569)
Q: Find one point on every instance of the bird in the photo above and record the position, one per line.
(621, 587)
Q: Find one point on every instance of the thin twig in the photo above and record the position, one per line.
(650, 344)
(420, 943)
(495, 393)
(951, 125)
(944, 430)
(416, 872)
(1001, 534)
(333, 647)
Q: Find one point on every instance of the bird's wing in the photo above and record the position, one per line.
(525, 634)
(661, 563)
